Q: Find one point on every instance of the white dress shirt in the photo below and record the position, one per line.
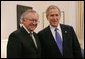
(53, 31)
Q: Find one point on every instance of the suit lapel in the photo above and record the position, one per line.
(52, 41)
(50, 36)
(27, 37)
(65, 35)
(37, 40)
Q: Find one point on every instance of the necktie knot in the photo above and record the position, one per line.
(31, 33)
(56, 29)
(32, 36)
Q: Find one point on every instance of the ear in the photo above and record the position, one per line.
(47, 17)
(22, 20)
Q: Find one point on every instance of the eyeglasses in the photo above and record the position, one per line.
(32, 20)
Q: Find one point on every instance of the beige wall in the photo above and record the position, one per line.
(9, 19)
(9, 16)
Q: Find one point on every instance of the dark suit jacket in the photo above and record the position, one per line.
(21, 45)
(71, 47)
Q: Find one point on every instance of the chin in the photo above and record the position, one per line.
(32, 29)
(54, 25)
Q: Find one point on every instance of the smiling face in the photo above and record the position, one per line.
(30, 22)
(53, 17)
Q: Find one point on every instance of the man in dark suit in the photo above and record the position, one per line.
(24, 43)
(70, 46)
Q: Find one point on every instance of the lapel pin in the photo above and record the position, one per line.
(65, 31)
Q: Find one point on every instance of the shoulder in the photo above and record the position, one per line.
(67, 28)
(44, 30)
(63, 26)
(15, 36)
(15, 33)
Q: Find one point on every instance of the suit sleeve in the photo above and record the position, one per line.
(76, 45)
(13, 47)
(42, 45)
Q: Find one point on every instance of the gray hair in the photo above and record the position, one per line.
(25, 13)
(52, 7)
(28, 11)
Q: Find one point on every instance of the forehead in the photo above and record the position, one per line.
(53, 11)
(32, 14)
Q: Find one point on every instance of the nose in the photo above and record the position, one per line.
(34, 22)
(54, 17)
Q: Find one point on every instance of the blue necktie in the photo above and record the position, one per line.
(59, 41)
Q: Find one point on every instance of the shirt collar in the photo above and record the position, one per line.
(53, 28)
(26, 29)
